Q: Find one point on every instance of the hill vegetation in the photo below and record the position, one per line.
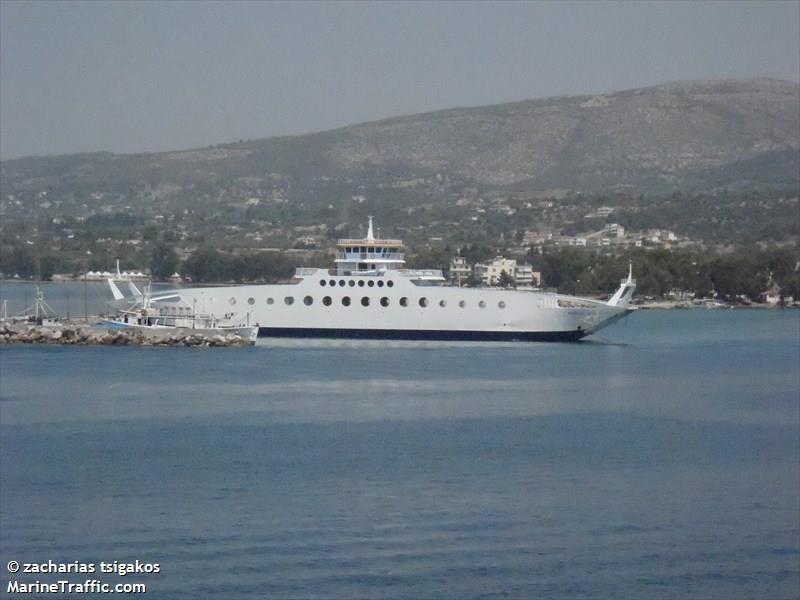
(713, 163)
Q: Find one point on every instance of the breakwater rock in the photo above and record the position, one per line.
(84, 336)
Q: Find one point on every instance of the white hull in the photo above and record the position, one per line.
(163, 331)
(450, 313)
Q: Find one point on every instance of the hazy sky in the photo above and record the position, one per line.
(137, 76)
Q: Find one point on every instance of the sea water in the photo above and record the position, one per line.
(658, 459)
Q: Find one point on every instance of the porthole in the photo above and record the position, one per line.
(270, 301)
(384, 301)
(370, 283)
(365, 301)
(332, 283)
(251, 301)
(482, 304)
(346, 301)
(327, 300)
(442, 303)
(380, 284)
(403, 301)
(308, 301)
(232, 301)
(322, 282)
(423, 302)
(390, 283)
(501, 304)
(351, 283)
(360, 283)
(461, 303)
(341, 283)
(289, 300)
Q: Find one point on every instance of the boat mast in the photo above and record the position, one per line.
(370, 235)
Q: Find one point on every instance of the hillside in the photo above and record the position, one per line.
(679, 136)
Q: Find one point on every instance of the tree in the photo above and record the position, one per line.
(505, 280)
(474, 280)
(164, 261)
(475, 253)
(22, 263)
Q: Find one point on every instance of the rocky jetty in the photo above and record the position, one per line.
(84, 336)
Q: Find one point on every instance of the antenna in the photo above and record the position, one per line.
(40, 308)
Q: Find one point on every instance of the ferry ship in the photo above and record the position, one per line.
(369, 294)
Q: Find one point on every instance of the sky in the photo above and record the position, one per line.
(128, 76)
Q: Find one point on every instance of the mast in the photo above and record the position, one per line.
(370, 235)
(40, 308)
(85, 295)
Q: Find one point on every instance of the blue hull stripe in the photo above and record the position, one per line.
(423, 334)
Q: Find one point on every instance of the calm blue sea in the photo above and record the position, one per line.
(657, 460)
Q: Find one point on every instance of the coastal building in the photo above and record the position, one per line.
(124, 275)
(771, 295)
(490, 272)
(572, 241)
(601, 212)
(522, 274)
(537, 238)
(525, 276)
(460, 270)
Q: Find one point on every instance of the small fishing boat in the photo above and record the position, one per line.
(156, 316)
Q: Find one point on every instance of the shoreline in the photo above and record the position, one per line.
(71, 333)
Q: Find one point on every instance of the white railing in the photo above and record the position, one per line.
(421, 273)
(370, 256)
(363, 242)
